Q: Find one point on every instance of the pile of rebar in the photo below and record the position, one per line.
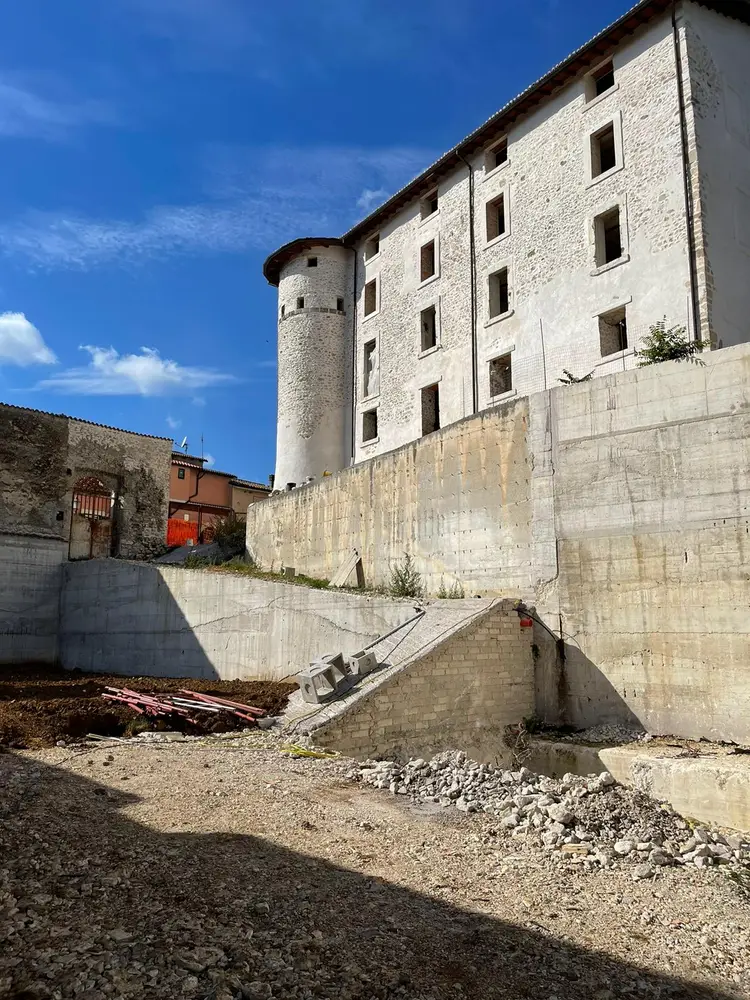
(184, 704)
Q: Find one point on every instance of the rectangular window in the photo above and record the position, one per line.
(603, 150)
(372, 246)
(428, 325)
(340, 305)
(371, 297)
(427, 261)
(301, 302)
(496, 155)
(430, 409)
(370, 376)
(429, 205)
(180, 473)
(601, 80)
(607, 236)
(499, 293)
(501, 376)
(370, 425)
(495, 212)
(613, 332)
(312, 261)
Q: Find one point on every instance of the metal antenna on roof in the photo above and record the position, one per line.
(184, 445)
(201, 446)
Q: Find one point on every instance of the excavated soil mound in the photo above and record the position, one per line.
(41, 705)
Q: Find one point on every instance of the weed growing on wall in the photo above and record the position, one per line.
(406, 581)
(662, 344)
(568, 378)
(453, 593)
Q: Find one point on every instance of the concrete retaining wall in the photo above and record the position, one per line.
(135, 618)
(619, 507)
(30, 579)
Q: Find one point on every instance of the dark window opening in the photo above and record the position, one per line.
(429, 205)
(603, 151)
(613, 332)
(371, 297)
(430, 409)
(340, 305)
(283, 310)
(603, 79)
(501, 376)
(301, 302)
(372, 246)
(499, 293)
(428, 324)
(312, 261)
(495, 212)
(180, 473)
(371, 383)
(427, 261)
(608, 237)
(497, 155)
(370, 425)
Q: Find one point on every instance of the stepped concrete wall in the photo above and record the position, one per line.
(619, 508)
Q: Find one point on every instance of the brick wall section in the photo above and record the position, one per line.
(460, 694)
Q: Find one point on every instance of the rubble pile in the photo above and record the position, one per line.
(592, 819)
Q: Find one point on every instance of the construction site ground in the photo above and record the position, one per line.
(226, 869)
(41, 705)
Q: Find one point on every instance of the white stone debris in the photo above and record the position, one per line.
(591, 820)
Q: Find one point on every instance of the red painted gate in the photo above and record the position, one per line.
(178, 532)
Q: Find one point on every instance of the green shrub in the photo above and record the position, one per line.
(406, 581)
(229, 535)
(453, 593)
(671, 344)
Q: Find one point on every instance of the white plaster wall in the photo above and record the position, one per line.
(718, 57)
(549, 248)
(137, 618)
(314, 366)
(30, 580)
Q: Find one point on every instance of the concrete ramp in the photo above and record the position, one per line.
(453, 677)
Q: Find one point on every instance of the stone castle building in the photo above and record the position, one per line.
(612, 193)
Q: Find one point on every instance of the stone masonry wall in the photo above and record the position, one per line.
(461, 694)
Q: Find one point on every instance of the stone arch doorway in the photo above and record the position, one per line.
(91, 519)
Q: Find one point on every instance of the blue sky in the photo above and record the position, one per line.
(153, 152)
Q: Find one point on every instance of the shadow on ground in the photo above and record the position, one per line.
(106, 907)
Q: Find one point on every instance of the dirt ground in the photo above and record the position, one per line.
(228, 870)
(41, 705)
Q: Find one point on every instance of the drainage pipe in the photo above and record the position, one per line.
(473, 274)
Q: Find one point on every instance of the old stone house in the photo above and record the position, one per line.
(612, 193)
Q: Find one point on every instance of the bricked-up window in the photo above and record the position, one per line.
(603, 150)
(371, 297)
(370, 425)
(312, 261)
(430, 409)
(608, 237)
(495, 211)
(427, 261)
(180, 473)
(499, 293)
(428, 326)
(501, 376)
(370, 376)
(496, 155)
(429, 205)
(613, 332)
(601, 80)
(340, 305)
(372, 246)
(301, 302)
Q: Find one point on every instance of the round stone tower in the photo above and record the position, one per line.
(314, 278)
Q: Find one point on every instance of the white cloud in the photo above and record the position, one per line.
(172, 423)
(199, 401)
(24, 113)
(210, 460)
(145, 374)
(21, 343)
(370, 199)
(257, 199)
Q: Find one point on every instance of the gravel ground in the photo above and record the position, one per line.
(225, 869)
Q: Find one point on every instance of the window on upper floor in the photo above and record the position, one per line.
(371, 297)
(603, 150)
(608, 238)
(429, 205)
(430, 397)
(340, 305)
(372, 246)
(283, 310)
(499, 293)
(312, 261)
(370, 425)
(496, 155)
(613, 332)
(428, 327)
(370, 375)
(301, 302)
(180, 473)
(600, 81)
(427, 261)
(501, 375)
(495, 217)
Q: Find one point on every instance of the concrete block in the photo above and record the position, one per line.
(317, 683)
(362, 663)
